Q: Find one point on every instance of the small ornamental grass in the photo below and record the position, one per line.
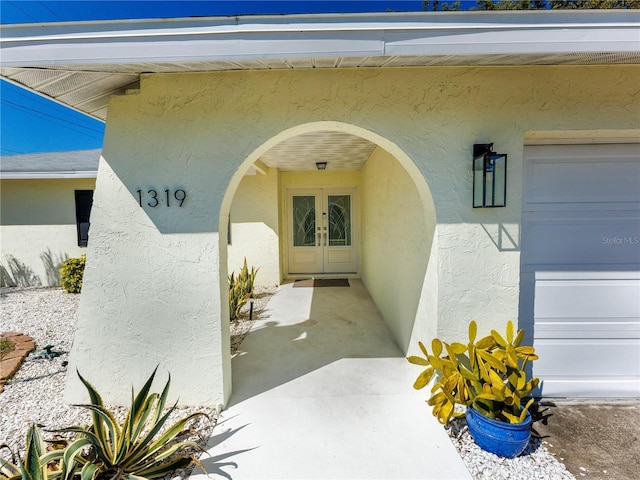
(6, 346)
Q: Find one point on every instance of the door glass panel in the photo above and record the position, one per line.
(339, 220)
(304, 221)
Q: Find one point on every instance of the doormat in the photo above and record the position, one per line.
(322, 282)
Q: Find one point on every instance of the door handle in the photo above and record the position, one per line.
(319, 239)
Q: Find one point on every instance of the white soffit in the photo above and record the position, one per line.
(81, 64)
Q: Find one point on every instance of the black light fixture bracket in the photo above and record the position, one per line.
(489, 177)
(480, 149)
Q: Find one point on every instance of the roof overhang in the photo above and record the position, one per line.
(82, 63)
(49, 165)
(46, 175)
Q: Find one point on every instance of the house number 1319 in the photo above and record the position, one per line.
(153, 198)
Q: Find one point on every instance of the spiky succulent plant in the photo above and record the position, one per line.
(138, 448)
(39, 463)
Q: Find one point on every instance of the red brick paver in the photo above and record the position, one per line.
(10, 363)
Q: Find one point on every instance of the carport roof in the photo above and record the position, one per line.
(81, 64)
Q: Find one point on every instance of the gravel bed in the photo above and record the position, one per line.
(253, 310)
(536, 462)
(35, 393)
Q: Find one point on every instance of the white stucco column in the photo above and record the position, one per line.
(152, 294)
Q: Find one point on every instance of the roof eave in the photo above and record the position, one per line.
(319, 36)
(47, 175)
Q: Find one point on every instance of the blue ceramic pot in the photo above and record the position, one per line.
(502, 438)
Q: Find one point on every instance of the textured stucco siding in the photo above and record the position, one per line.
(152, 286)
(397, 232)
(155, 292)
(38, 229)
(254, 227)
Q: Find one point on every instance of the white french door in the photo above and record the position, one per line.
(321, 230)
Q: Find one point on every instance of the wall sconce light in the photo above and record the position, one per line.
(321, 165)
(489, 177)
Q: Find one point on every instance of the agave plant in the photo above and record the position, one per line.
(9, 468)
(136, 449)
(38, 463)
(488, 375)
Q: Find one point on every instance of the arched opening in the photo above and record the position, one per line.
(375, 201)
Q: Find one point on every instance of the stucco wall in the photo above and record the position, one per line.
(157, 276)
(254, 227)
(397, 232)
(38, 229)
(152, 286)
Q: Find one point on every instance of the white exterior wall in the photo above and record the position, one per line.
(254, 227)
(155, 290)
(397, 232)
(38, 229)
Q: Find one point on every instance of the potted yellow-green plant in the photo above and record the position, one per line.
(487, 376)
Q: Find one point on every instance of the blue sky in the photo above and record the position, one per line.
(30, 123)
(29, 11)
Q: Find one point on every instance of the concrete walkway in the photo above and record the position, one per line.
(321, 391)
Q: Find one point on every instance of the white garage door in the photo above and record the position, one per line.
(580, 268)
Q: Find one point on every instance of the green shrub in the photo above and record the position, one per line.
(241, 289)
(72, 271)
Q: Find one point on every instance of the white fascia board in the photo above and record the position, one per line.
(46, 175)
(524, 41)
(300, 36)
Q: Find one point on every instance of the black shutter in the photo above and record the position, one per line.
(84, 200)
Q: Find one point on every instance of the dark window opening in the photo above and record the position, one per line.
(84, 200)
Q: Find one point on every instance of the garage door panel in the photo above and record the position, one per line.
(580, 268)
(585, 357)
(611, 328)
(580, 298)
(594, 174)
(569, 241)
(591, 387)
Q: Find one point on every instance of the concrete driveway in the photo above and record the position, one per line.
(594, 440)
(321, 391)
